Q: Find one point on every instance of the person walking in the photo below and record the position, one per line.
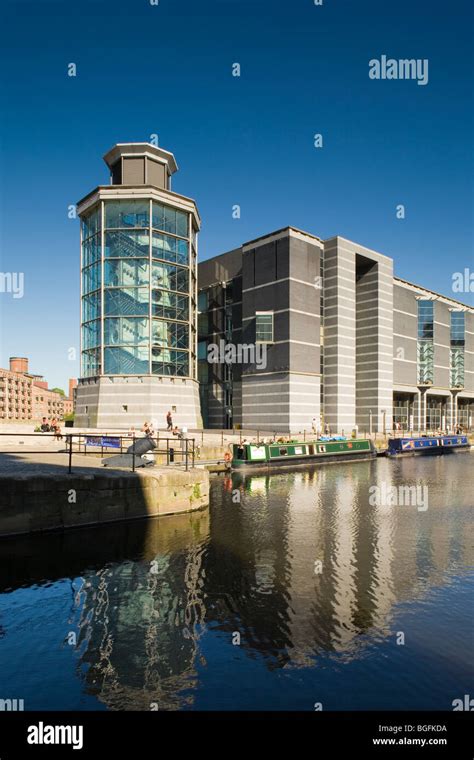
(169, 421)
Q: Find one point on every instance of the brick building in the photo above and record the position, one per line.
(24, 396)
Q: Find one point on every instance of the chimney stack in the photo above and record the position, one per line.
(18, 364)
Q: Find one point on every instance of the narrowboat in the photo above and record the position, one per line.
(290, 453)
(443, 444)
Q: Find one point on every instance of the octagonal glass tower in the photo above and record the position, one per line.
(138, 295)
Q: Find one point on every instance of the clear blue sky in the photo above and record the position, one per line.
(166, 69)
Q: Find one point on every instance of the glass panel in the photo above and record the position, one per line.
(123, 244)
(126, 360)
(264, 327)
(158, 216)
(425, 361)
(90, 307)
(126, 330)
(166, 362)
(457, 328)
(182, 252)
(91, 334)
(127, 214)
(170, 220)
(457, 367)
(91, 278)
(425, 319)
(90, 363)
(126, 301)
(169, 277)
(91, 250)
(91, 223)
(169, 305)
(202, 349)
(202, 301)
(126, 272)
(170, 334)
(181, 224)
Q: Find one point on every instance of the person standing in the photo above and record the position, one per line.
(169, 421)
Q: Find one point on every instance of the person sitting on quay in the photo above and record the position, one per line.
(56, 429)
(45, 428)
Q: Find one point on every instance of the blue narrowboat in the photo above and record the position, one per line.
(429, 445)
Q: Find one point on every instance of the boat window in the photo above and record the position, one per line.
(311, 449)
(240, 452)
(299, 450)
(283, 452)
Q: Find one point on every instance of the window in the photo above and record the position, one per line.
(202, 301)
(425, 342)
(264, 327)
(457, 349)
(127, 213)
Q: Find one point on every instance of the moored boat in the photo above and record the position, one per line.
(443, 444)
(290, 453)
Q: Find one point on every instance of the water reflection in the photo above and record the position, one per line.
(299, 564)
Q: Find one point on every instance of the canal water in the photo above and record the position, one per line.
(294, 591)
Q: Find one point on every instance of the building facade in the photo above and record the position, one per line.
(343, 342)
(138, 295)
(25, 396)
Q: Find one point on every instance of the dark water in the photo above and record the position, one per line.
(318, 584)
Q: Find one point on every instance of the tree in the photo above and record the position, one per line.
(58, 390)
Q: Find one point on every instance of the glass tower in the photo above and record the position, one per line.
(138, 291)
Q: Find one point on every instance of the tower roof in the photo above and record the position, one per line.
(141, 149)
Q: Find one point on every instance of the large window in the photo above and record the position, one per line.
(457, 349)
(91, 278)
(170, 305)
(425, 342)
(132, 243)
(126, 331)
(264, 327)
(169, 220)
(168, 362)
(126, 360)
(90, 223)
(172, 334)
(169, 248)
(169, 277)
(126, 301)
(127, 214)
(126, 272)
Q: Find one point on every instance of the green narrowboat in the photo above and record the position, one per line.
(290, 453)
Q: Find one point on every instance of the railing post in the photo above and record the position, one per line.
(167, 451)
(133, 453)
(186, 440)
(222, 437)
(193, 453)
(70, 454)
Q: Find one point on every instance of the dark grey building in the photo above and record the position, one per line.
(295, 332)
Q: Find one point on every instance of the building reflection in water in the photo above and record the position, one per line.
(303, 567)
(139, 622)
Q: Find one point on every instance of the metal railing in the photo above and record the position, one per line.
(183, 449)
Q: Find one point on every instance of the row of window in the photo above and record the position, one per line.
(135, 302)
(135, 331)
(133, 272)
(136, 244)
(425, 348)
(136, 213)
(135, 360)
